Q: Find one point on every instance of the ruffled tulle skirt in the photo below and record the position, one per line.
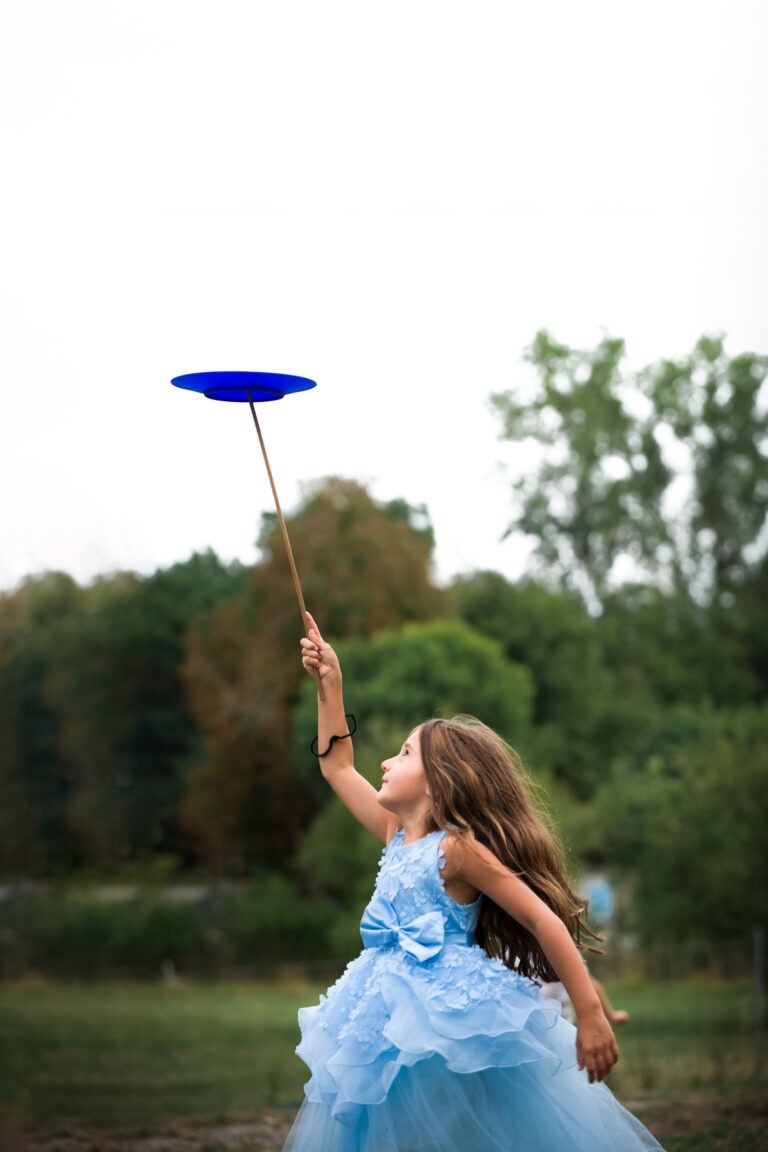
(454, 1055)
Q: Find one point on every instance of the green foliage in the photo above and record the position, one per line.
(399, 678)
(365, 566)
(167, 718)
(152, 716)
(677, 652)
(715, 407)
(577, 505)
(98, 727)
(125, 728)
(663, 472)
(337, 857)
(688, 816)
(439, 669)
(82, 932)
(271, 923)
(554, 638)
(34, 779)
(337, 861)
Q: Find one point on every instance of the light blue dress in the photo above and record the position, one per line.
(425, 1044)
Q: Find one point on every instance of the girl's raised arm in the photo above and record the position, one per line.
(334, 746)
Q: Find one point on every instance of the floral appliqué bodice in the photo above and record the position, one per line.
(410, 907)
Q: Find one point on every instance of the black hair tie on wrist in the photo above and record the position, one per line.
(351, 724)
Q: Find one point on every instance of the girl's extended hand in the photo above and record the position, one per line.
(596, 1046)
(318, 657)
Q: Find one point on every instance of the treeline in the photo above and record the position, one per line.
(161, 724)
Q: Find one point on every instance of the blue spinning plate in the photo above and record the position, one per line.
(243, 386)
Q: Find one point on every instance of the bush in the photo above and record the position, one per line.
(87, 934)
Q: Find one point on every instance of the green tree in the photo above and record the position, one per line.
(363, 566)
(662, 473)
(713, 409)
(686, 815)
(401, 677)
(439, 668)
(34, 780)
(664, 645)
(126, 731)
(575, 727)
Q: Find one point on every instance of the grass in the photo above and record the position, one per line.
(693, 1035)
(112, 1054)
(108, 1056)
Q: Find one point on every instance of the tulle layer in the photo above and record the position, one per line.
(454, 1055)
(431, 1109)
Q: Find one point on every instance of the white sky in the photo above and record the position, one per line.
(388, 198)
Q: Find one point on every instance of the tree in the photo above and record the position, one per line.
(401, 677)
(125, 730)
(363, 566)
(687, 815)
(35, 785)
(661, 473)
(439, 668)
(575, 727)
(669, 648)
(715, 410)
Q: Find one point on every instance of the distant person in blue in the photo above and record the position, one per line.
(431, 1041)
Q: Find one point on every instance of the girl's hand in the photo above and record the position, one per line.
(596, 1046)
(318, 657)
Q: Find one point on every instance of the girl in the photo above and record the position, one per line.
(435, 1039)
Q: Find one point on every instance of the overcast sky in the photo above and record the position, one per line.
(388, 198)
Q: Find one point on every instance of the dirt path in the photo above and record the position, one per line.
(265, 1133)
(736, 1122)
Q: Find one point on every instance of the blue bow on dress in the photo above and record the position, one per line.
(422, 937)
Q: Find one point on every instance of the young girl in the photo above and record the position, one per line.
(435, 1039)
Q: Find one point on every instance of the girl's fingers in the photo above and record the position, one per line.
(310, 654)
(598, 1064)
(313, 626)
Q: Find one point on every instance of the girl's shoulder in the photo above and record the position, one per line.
(453, 850)
(453, 847)
(459, 848)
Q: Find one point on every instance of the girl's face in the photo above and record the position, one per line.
(404, 785)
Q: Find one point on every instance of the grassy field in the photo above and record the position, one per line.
(82, 1065)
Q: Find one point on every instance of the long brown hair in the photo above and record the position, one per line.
(480, 789)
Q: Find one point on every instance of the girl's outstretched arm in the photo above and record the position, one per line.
(476, 865)
(337, 762)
